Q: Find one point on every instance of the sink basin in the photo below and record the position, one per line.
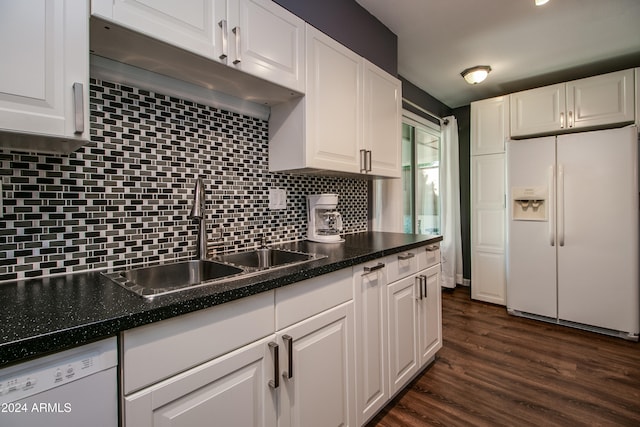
(166, 278)
(265, 258)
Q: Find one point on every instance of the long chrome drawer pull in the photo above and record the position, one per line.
(406, 256)
(275, 382)
(289, 340)
(236, 31)
(374, 268)
(223, 26)
(78, 102)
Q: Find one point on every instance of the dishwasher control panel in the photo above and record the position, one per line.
(30, 378)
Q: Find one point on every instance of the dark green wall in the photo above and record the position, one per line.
(463, 116)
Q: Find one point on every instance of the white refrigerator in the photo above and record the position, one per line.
(573, 213)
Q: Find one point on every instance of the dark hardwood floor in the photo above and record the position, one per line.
(498, 370)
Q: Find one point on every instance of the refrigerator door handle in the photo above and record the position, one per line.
(560, 205)
(552, 206)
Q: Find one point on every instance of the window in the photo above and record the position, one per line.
(420, 175)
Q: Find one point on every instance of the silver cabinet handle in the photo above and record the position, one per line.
(289, 340)
(368, 156)
(363, 161)
(419, 279)
(275, 382)
(424, 283)
(225, 49)
(236, 31)
(78, 102)
(406, 256)
(378, 266)
(432, 248)
(570, 119)
(561, 120)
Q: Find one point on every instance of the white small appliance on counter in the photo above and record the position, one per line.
(324, 222)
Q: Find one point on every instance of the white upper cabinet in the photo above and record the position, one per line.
(44, 77)
(489, 125)
(382, 122)
(348, 121)
(189, 24)
(267, 41)
(581, 104)
(256, 36)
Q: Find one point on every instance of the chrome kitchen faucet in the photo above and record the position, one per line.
(198, 211)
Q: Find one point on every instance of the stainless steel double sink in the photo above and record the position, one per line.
(166, 278)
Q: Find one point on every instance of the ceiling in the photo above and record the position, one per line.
(526, 46)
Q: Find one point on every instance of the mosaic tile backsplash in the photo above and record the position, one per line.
(123, 200)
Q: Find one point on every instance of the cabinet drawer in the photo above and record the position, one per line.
(401, 265)
(162, 349)
(310, 297)
(428, 256)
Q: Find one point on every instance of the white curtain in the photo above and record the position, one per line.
(451, 245)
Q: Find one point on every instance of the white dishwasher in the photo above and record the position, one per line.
(76, 387)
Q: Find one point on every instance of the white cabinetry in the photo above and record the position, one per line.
(256, 36)
(414, 312)
(233, 390)
(316, 341)
(580, 104)
(489, 130)
(324, 130)
(370, 284)
(44, 79)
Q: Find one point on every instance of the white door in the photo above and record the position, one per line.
(193, 25)
(268, 42)
(334, 110)
(598, 228)
(488, 226)
(316, 358)
(601, 100)
(371, 339)
(430, 314)
(531, 268)
(382, 121)
(403, 333)
(540, 110)
(44, 47)
(232, 390)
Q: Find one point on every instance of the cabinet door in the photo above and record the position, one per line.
(489, 125)
(268, 42)
(601, 100)
(316, 357)
(334, 110)
(538, 111)
(45, 51)
(193, 25)
(232, 390)
(488, 224)
(430, 314)
(382, 121)
(371, 339)
(403, 333)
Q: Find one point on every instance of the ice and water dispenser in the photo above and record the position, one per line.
(529, 203)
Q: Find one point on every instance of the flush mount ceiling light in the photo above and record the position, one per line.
(541, 2)
(477, 74)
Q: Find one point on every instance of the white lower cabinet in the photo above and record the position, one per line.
(232, 390)
(318, 376)
(429, 314)
(403, 332)
(372, 387)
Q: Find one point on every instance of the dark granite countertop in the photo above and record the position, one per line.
(43, 315)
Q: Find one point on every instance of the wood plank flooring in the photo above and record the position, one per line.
(499, 370)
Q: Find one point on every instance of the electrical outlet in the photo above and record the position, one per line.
(277, 198)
